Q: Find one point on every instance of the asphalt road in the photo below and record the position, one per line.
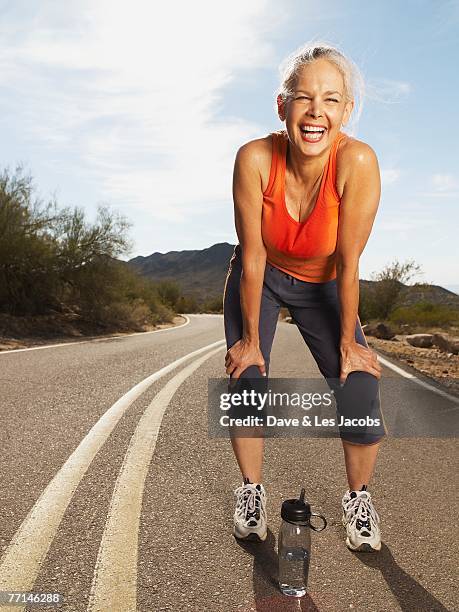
(113, 495)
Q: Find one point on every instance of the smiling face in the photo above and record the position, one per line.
(315, 113)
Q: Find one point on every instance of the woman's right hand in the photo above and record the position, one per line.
(243, 354)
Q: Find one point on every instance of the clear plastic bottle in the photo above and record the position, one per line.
(294, 545)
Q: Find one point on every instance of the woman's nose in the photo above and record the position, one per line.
(315, 113)
(315, 108)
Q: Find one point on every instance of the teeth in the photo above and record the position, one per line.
(310, 128)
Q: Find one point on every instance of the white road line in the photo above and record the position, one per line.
(21, 561)
(47, 346)
(416, 380)
(114, 585)
(388, 364)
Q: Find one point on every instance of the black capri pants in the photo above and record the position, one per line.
(315, 309)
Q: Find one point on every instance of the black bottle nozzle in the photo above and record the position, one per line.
(299, 511)
(296, 510)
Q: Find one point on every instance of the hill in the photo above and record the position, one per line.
(411, 295)
(202, 274)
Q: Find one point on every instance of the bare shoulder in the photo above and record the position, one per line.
(257, 154)
(351, 154)
(352, 151)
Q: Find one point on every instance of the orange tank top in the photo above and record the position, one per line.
(305, 250)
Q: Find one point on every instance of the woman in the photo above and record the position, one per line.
(305, 200)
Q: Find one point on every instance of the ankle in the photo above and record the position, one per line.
(248, 480)
(358, 488)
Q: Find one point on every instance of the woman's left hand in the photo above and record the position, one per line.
(358, 358)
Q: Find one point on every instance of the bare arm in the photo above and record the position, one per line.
(248, 202)
(358, 208)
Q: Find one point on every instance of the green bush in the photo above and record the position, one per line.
(425, 314)
(188, 304)
(124, 315)
(214, 305)
(169, 292)
(54, 260)
(367, 306)
(379, 300)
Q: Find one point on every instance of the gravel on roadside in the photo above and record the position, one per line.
(432, 362)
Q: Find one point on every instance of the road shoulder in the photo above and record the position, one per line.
(8, 343)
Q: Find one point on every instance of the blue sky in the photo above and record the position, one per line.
(143, 106)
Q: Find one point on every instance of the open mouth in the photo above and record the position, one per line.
(311, 133)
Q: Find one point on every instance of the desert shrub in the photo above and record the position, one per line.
(188, 304)
(367, 306)
(426, 314)
(378, 300)
(389, 283)
(213, 305)
(125, 315)
(169, 292)
(53, 260)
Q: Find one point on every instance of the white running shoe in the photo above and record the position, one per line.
(250, 517)
(361, 521)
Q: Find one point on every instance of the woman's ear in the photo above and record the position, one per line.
(280, 107)
(347, 111)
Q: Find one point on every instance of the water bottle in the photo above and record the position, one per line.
(294, 546)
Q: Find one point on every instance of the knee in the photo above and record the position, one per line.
(359, 410)
(360, 387)
(253, 371)
(362, 439)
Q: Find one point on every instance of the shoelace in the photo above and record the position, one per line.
(361, 509)
(249, 504)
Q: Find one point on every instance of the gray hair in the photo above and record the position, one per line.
(354, 85)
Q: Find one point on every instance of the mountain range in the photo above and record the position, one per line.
(201, 273)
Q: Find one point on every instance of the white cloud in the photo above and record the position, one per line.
(442, 186)
(130, 94)
(388, 91)
(444, 182)
(389, 176)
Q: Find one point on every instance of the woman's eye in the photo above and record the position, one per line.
(308, 98)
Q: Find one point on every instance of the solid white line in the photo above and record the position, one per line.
(114, 586)
(22, 559)
(47, 346)
(416, 380)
